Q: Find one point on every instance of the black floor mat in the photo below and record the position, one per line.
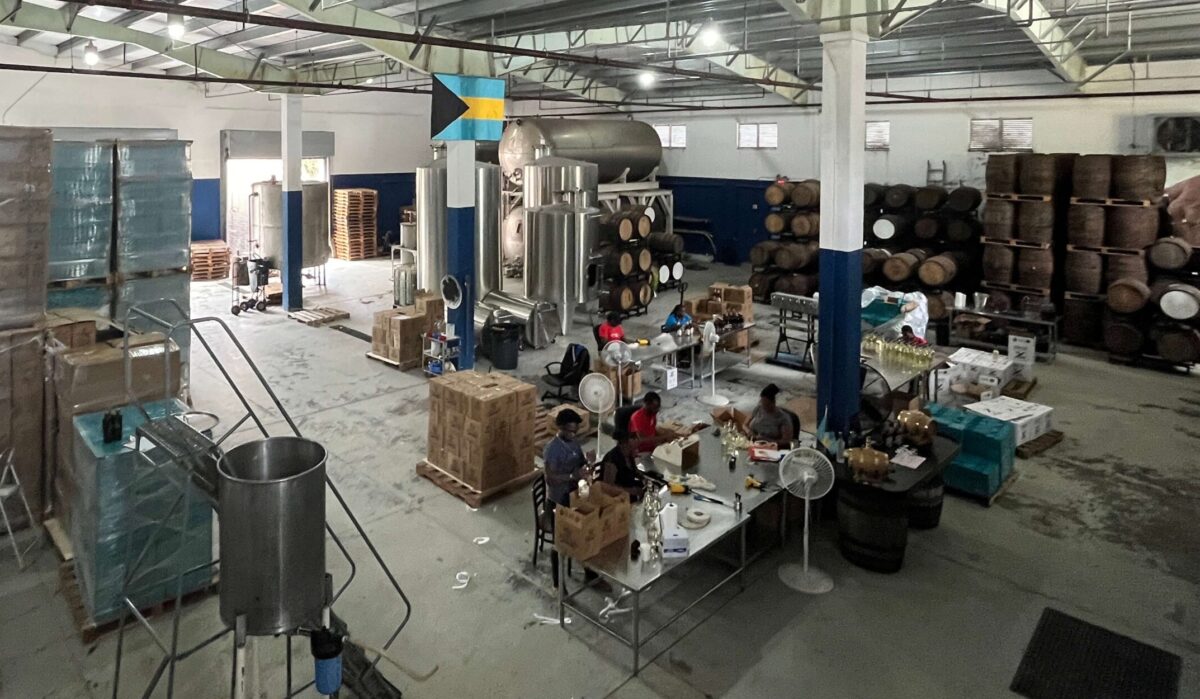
(1068, 658)
(351, 332)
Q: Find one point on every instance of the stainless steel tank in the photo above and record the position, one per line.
(488, 261)
(512, 235)
(266, 229)
(561, 266)
(614, 145)
(549, 181)
(431, 225)
(272, 505)
(315, 218)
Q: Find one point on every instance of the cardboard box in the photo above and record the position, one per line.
(1022, 350)
(22, 417)
(730, 414)
(582, 530)
(976, 364)
(742, 295)
(746, 310)
(736, 342)
(1030, 420)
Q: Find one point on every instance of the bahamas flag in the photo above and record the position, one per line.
(467, 108)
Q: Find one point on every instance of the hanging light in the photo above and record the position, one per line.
(175, 28)
(91, 55)
(710, 36)
(369, 81)
(646, 79)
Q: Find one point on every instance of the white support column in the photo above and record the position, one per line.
(460, 251)
(293, 203)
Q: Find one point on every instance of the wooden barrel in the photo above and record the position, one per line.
(872, 527)
(762, 253)
(1084, 272)
(617, 262)
(806, 224)
(1035, 267)
(1170, 253)
(1131, 227)
(898, 196)
(619, 225)
(999, 301)
(644, 294)
(762, 284)
(1039, 174)
(1083, 322)
(925, 503)
(794, 256)
(902, 266)
(618, 297)
(1092, 177)
(964, 200)
(1189, 232)
(1180, 302)
(798, 284)
(1035, 221)
(1177, 343)
(807, 194)
(1001, 175)
(962, 230)
(873, 195)
(1123, 335)
(1138, 176)
(891, 227)
(1085, 225)
(643, 224)
(873, 259)
(940, 303)
(998, 218)
(661, 241)
(777, 222)
(998, 264)
(927, 227)
(1128, 295)
(1126, 267)
(930, 198)
(778, 192)
(643, 259)
(940, 270)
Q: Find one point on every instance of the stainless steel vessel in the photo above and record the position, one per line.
(433, 231)
(272, 505)
(540, 319)
(512, 235)
(550, 180)
(266, 229)
(616, 146)
(561, 265)
(488, 260)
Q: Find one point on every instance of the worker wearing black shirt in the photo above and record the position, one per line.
(620, 467)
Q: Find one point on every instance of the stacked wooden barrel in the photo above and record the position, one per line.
(787, 261)
(627, 260)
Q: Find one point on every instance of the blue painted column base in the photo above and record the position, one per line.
(840, 332)
(460, 264)
(293, 251)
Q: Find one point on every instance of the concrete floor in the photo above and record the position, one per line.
(1103, 527)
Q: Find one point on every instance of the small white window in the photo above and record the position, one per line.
(879, 135)
(758, 135)
(1001, 134)
(672, 135)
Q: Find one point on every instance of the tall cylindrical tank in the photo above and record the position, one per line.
(549, 180)
(431, 225)
(266, 230)
(487, 229)
(561, 266)
(513, 235)
(552, 181)
(315, 218)
(613, 145)
(272, 505)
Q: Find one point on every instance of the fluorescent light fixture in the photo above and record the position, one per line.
(91, 55)
(175, 28)
(710, 36)
(369, 81)
(646, 79)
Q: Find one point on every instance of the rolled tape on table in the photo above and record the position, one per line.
(670, 516)
(698, 516)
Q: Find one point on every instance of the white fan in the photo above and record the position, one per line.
(808, 474)
(617, 354)
(597, 394)
(710, 338)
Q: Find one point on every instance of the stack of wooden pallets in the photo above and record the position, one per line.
(354, 223)
(210, 260)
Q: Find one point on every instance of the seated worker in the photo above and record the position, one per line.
(908, 337)
(565, 462)
(768, 422)
(643, 424)
(677, 320)
(611, 330)
(619, 466)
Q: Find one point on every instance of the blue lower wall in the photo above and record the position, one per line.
(206, 209)
(734, 208)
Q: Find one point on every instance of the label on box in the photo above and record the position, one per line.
(1022, 349)
(671, 378)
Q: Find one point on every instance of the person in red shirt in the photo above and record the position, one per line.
(611, 329)
(643, 424)
(910, 337)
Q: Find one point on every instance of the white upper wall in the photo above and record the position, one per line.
(374, 132)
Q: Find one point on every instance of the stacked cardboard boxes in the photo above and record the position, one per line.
(724, 299)
(398, 333)
(1029, 420)
(25, 188)
(481, 427)
(582, 530)
(21, 414)
(631, 377)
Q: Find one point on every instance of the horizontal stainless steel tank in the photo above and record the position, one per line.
(272, 506)
(433, 230)
(266, 230)
(614, 145)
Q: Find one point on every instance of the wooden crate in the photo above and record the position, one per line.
(210, 260)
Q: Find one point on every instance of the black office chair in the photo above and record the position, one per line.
(564, 379)
(543, 528)
(795, 422)
(596, 335)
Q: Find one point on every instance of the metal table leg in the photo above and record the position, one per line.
(637, 641)
(783, 518)
(742, 557)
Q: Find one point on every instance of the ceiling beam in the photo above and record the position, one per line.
(1047, 35)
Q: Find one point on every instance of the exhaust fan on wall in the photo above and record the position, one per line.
(1177, 135)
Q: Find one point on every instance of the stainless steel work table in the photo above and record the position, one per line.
(685, 343)
(637, 577)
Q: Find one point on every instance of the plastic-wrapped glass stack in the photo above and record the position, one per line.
(118, 500)
(140, 291)
(81, 220)
(24, 224)
(154, 206)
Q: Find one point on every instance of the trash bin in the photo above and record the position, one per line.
(504, 344)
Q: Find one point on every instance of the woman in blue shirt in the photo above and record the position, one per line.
(678, 319)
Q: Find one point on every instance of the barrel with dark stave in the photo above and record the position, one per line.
(778, 192)
(964, 200)
(798, 284)
(891, 228)
(925, 503)
(643, 259)
(962, 230)
(904, 265)
(777, 222)
(872, 527)
(618, 297)
(617, 262)
(998, 264)
(794, 256)
(806, 224)
(999, 217)
(1180, 301)
(927, 227)
(1085, 225)
(898, 196)
(1123, 335)
(873, 259)
(762, 284)
(873, 195)
(940, 270)
(661, 241)
(1138, 176)
(1084, 273)
(762, 253)
(1002, 173)
(1083, 322)
(1035, 267)
(940, 303)
(1035, 221)
(1092, 177)
(807, 194)
(1177, 343)
(930, 198)
(619, 225)
(1128, 295)
(1039, 173)
(1170, 253)
(643, 293)
(1131, 227)
(1126, 267)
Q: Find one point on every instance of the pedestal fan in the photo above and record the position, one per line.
(808, 474)
(617, 354)
(710, 338)
(596, 393)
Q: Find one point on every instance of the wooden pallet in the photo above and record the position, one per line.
(319, 315)
(988, 500)
(543, 433)
(1012, 196)
(1019, 389)
(1111, 201)
(1151, 361)
(1015, 243)
(90, 631)
(1016, 288)
(210, 260)
(79, 283)
(1080, 296)
(152, 274)
(402, 366)
(472, 496)
(1040, 444)
(60, 539)
(1108, 250)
